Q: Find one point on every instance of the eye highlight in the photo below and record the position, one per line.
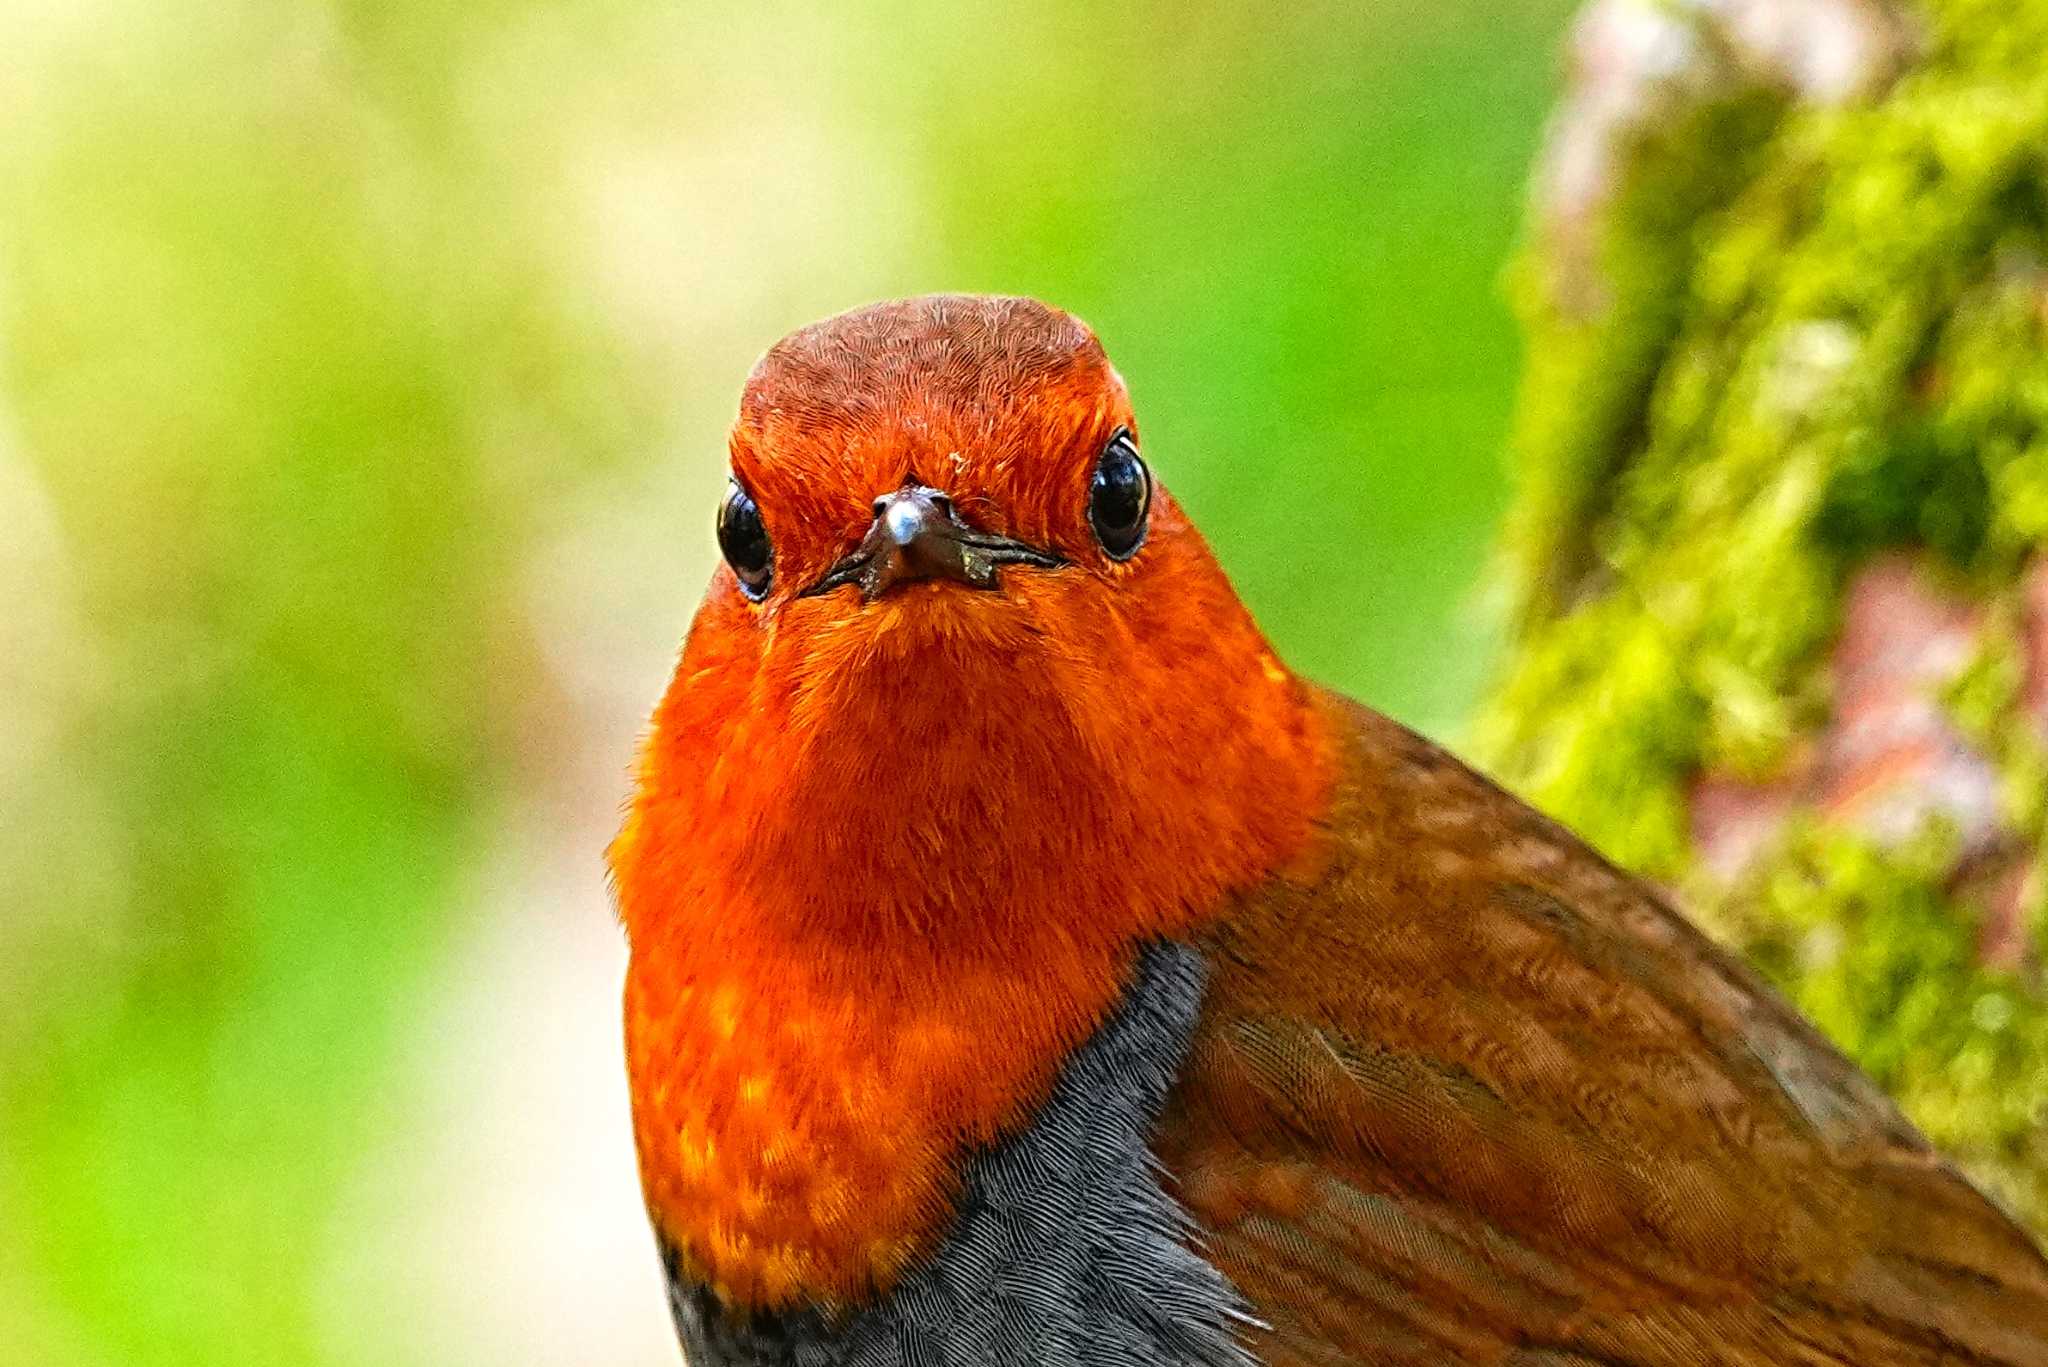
(743, 539)
(1120, 498)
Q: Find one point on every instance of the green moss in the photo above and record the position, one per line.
(1823, 341)
(1608, 366)
(1869, 945)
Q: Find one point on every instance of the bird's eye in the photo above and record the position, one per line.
(1120, 498)
(744, 540)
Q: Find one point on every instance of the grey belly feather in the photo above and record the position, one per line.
(1067, 1251)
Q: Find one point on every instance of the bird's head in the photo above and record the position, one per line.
(920, 448)
(964, 650)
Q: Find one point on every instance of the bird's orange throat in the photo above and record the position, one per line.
(886, 866)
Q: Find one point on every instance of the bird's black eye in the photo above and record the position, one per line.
(1120, 498)
(744, 539)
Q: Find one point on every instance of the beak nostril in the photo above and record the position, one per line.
(904, 520)
(881, 502)
(943, 504)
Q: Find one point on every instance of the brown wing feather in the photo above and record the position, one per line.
(1465, 1092)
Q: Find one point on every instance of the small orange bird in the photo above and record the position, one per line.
(1028, 968)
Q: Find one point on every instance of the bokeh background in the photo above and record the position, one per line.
(364, 369)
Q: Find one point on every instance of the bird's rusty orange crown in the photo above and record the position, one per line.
(920, 784)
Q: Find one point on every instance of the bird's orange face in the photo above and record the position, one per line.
(926, 481)
(1007, 429)
(969, 711)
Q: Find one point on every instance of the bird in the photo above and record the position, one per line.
(1026, 966)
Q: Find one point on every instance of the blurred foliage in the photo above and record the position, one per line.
(319, 317)
(1825, 342)
(257, 377)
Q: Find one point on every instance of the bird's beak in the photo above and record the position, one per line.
(917, 535)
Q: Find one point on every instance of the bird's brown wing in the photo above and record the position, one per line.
(1464, 1092)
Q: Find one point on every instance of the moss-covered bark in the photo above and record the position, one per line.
(1784, 442)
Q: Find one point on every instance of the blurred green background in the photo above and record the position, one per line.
(363, 377)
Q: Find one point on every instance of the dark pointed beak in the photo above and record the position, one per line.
(917, 535)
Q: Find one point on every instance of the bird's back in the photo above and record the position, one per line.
(1463, 1091)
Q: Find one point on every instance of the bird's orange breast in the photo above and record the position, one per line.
(877, 890)
(799, 1132)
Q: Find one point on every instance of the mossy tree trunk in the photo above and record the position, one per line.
(1781, 632)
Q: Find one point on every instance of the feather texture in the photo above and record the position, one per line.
(1465, 1092)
